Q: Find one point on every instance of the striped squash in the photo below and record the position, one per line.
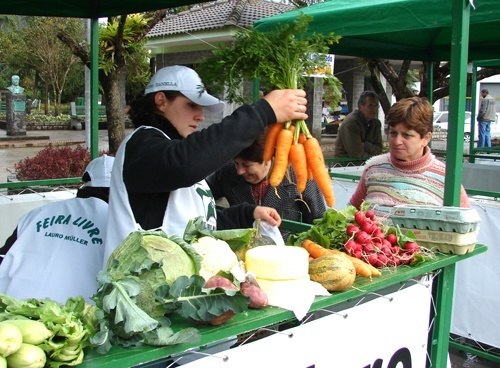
(334, 271)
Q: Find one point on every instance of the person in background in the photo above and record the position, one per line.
(57, 249)
(245, 181)
(409, 173)
(360, 134)
(158, 181)
(485, 116)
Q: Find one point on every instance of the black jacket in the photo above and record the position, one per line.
(154, 165)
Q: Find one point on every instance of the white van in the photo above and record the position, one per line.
(441, 123)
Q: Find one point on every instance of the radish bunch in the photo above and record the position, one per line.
(369, 242)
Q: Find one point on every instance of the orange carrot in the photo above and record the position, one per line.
(280, 165)
(314, 249)
(316, 162)
(302, 139)
(362, 268)
(270, 141)
(298, 160)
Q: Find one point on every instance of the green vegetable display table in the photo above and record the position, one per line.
(442, 269)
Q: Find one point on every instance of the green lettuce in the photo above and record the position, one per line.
(73, 325)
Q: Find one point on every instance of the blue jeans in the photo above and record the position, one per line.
(484, 134)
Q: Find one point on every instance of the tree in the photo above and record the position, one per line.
(398, 78)
(47, 55)
(121, 49)
(29, 47)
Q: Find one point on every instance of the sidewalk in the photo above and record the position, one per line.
(42, 138)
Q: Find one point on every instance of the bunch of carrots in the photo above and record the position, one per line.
(292, 144)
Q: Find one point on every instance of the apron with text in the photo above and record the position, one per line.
(58, 251)
(183, 205)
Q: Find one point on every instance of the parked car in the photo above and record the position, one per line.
(441, 123)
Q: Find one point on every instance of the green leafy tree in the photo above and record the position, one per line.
(122, 56)
(47, 55)
(10, 44)
(30, 48)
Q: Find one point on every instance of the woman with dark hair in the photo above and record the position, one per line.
(245, 181)
(158, 181)
(409, 173)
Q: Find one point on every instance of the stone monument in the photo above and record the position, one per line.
(16, 109)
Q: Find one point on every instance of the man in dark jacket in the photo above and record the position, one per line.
(360, 134)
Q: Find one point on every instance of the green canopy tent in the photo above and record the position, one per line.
(91, 9)
(425, 30)
(399, 29)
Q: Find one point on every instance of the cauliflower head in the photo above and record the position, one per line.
(218, 256)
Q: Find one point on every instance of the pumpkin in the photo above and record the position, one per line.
(334, 271)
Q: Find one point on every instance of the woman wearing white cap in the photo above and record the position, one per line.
(158, 181)
(57, 249)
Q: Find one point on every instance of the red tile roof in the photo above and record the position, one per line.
(216, 15)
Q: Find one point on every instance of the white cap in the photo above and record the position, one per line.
(99, 170)
(186, 81)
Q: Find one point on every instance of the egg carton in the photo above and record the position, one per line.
(446, 242)
(445, 237)
(437, 218)
(448, 248)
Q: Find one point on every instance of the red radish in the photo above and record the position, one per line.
(383, 259)
(368, 247)
(368, 227)
(351, 229)
(392, 238)
(350, 246)
(358, 254)
(362, 237)
(370, 214)
(412, 247)
(378, 233)
(360, 218)
(373, 260)
(396, 249)
(387, 243)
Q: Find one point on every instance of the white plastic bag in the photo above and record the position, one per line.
(270, 231)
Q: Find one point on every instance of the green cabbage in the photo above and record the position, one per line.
(138, 274)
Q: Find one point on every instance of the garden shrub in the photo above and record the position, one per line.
(54, 162)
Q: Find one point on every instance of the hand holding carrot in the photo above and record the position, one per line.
(288, 104)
